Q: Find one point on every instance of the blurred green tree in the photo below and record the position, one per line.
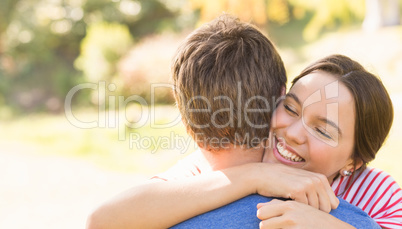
(41, 39)
(101, 48)
(329, 13)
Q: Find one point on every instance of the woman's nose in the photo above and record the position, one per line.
(296, 132)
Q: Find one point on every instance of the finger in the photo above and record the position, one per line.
(334, 201)
(332, 198)
(274, 223)
(324, 201)
(312, 197)
(301, 198)
(326, 196)
(270, 209)
(259, 205)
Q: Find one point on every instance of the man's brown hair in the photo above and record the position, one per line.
(227, 76)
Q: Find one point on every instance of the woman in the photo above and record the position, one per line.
(333, 121)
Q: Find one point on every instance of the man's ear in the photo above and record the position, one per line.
(283, 90)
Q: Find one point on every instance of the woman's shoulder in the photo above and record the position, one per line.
(366, 185)
(373, 180)
(377, 193)
(371, 176)
(382, 197)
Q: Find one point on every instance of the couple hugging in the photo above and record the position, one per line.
(311, 172)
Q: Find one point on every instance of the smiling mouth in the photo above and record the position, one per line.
(288, 155)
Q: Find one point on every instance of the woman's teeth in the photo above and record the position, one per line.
(286, 154)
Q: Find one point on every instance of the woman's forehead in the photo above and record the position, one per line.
(315, 80)
(328, 86)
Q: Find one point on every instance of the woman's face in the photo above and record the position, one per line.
(313, 127)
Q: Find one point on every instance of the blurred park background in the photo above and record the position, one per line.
(70, 137)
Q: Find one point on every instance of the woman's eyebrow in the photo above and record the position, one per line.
(331, 123)
(294, 97)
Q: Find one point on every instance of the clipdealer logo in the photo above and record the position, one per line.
(116, 117)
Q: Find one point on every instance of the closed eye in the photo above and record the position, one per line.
(322, 133)
(290, 110)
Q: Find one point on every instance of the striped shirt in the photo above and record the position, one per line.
(376, 193)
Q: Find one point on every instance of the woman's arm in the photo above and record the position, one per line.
(164, 204)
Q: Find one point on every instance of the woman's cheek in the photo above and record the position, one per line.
(280, 119)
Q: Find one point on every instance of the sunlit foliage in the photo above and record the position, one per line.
(101, 48)
(48, 46)
(325, 13)
(41, 39)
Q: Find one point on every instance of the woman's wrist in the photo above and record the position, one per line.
(256, 177)
(245, 178)
(337, 223)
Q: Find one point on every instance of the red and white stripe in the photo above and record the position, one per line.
(376, 193)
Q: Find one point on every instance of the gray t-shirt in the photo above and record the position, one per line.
(243, 214)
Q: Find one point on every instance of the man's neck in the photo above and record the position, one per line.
(231, 156)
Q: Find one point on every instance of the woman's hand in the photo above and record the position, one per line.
(276, 180)
(291, 214)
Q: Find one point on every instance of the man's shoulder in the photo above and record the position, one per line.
(243, 214)
(239, 214)
(353, 215)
